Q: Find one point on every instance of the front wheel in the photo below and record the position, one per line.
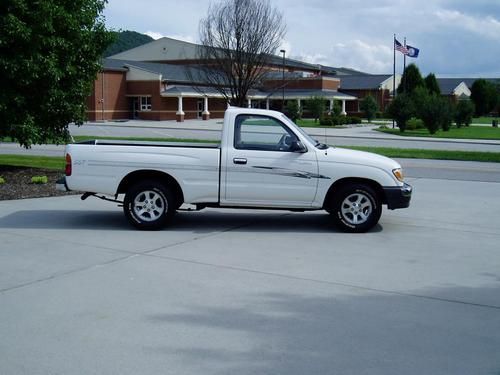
(149, 205)
(356, 208)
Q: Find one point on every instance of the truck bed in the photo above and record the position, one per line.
(99, 166)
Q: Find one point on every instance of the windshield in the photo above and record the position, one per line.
(313, 141)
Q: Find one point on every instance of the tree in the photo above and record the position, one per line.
(419, 98)
(238, 41)
(410, 80)
(293, 110)
(369, 107)
(50, 54)
(464, 112)
(337, 108)
(316, 105)
(446, 114)
(401, 110)
(431, 84)
(436, 112)
(485, 96)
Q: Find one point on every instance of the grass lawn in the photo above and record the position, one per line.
(48, 162)
(411, 153)
(483, 120)
(469, 132)
(309, 123)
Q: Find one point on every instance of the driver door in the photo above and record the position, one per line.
(261, 170)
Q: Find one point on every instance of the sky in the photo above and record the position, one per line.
(456, 38)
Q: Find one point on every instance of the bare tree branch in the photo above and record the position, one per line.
(238, 40)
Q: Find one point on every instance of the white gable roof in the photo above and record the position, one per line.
(462, 90)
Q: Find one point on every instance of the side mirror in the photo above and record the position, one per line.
(297, 146)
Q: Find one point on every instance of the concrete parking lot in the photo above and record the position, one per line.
(253, 292)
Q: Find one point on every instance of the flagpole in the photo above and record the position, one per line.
(394, 72)
(404, 68)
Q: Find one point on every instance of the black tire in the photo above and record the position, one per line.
(149, 205)
(355, 208)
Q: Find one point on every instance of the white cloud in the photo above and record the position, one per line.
(185, 38)
(287, 46)
(316, 58)
(154, 34)
(454, 36)
(485, 26)
(357, 54)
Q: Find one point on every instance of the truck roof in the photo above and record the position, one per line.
(238, 110)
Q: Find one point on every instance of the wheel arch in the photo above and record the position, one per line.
(145, 174)
(337, 185)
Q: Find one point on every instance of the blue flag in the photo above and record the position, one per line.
(412, 51)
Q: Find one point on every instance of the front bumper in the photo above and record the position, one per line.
(398, 196)
(61, 184)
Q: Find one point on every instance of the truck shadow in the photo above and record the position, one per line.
(207, 221)
(342, 329)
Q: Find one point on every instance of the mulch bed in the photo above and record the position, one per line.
(18, 183)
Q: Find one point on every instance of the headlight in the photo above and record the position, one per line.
(398, 173)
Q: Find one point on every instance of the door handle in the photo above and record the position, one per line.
(239, 161)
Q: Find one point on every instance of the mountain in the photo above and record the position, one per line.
(126, 40)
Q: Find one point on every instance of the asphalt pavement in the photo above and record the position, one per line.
(256, 292)
(253, 292)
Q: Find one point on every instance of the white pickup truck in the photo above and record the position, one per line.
(264, 161)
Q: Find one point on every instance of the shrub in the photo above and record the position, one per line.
(437, 113)
(446, 114)
(379, 114)
(340, 120)
(414, 123)
(325, 121)
(336, 108)
(293, 110)
(39, 180)
(401, 110)
(464, 112)
(317, 107)
(355, 120)
(369, 107)
(2, 180)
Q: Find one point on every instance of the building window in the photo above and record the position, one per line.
(145, 103)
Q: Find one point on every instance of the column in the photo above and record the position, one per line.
(179, 115)
(267, 103)
(331, 107)
(343, 113)
(249, 103)
(298, 104)
(205, 114)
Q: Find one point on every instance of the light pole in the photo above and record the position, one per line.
(283, 83)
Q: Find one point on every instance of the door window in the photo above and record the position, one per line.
(262, 133)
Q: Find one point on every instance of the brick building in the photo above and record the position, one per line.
(151, 82)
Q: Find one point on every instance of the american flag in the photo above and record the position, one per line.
(399, 47)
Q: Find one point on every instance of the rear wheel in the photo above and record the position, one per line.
(356, 208)
(149, 205)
